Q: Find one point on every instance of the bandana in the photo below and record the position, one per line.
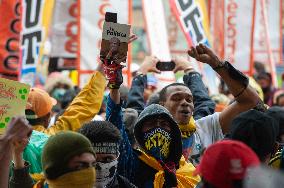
(157, 142)
(106, 148)
(78, 179)
(184, 175)
(105, 173)
(188, 129)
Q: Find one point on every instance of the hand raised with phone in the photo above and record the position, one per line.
(182, 64)
(149, 65)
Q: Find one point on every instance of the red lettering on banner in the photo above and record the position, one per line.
(231, 31)
(71, 45)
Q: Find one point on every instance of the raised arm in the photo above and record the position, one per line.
(203, 105)
(20, 176)
(84, 106)
(245, 97)
(135, 98)
(17, 130)
(114, 115)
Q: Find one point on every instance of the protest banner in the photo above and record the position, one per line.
(64, 29)
(13, 99)
(273, 9)
(9, 38)
(268, 35)
(232, 24)
(158, 37)
(35, 22)
(193, 19)
(91, 15)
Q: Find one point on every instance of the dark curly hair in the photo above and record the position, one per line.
(100, 131)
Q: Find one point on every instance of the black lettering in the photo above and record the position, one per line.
(191, 17)
(13, 26)
(184, 4)
(9, 44)
(29, 50)
(18, 9)
(29, 23)
(11, 62)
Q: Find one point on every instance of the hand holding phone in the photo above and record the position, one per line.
(166, 65)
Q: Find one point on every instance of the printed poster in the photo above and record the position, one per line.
(13, 99)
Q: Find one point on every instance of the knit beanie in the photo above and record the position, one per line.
(58, 151)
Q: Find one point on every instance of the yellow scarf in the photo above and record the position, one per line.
(85, 178)
(184, 174)
(188, 129)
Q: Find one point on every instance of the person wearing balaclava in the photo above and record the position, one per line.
(158, 162)
(105, 138)
(68, 160)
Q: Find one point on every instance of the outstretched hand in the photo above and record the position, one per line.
(205, 55)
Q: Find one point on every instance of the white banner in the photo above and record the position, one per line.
(64, 29)
(31, 38)
(156, 29)
(273, 9)
(238, 30)
(92, 15)
(158, 37)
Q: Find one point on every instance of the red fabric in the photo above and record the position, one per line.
(225, 161)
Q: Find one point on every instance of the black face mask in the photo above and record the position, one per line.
(157, 142)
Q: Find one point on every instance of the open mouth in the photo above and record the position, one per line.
(185, 112)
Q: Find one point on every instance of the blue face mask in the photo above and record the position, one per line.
(157, 142)
(58, 93)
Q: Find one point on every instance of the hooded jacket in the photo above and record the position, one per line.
(131, 165)
(154, 111)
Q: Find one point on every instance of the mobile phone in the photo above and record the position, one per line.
(165, 65)
(111, 17)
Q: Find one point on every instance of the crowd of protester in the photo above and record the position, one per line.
(108, 135)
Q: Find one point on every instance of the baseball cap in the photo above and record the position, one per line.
(226, 161)
(39, 103)
(257, 130)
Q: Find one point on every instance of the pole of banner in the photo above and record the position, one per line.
(129, 59)
(78, 59)
(267, 38)
(250, 72)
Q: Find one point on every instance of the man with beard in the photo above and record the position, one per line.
(190, 105)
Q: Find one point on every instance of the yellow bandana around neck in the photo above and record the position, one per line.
(188, 129)
(85, 178)
(184, 174)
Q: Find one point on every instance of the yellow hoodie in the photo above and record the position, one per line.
(82, 109)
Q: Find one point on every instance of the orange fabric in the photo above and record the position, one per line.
(39, 102)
